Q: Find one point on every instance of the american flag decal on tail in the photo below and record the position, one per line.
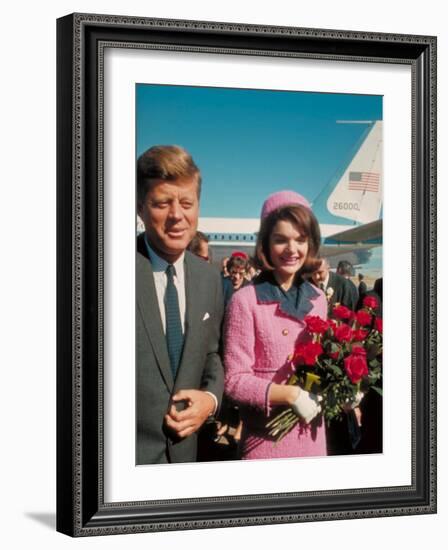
(364, 181)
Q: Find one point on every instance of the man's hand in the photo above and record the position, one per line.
(354, 406)
(199, 406)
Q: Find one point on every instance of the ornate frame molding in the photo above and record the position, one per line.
(81, 42)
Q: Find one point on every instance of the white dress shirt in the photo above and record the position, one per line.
(159, 266)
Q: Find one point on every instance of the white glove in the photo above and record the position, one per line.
(307, 405)
(354, 402)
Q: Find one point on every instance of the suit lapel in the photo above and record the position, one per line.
(148, 306)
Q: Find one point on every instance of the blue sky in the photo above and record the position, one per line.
(250, 143)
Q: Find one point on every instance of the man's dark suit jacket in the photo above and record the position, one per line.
(345, 291)
(200, 366)
(228, 290)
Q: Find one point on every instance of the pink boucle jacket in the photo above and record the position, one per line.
(259, 340)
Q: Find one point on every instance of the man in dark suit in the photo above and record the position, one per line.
(178, 315)
(237, 267)
(345, 269)
(337, 288)
(362, 287)
(342, 436)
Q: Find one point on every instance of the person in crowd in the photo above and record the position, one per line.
(362, 290)
(336, 287)
(237, 266)
(345, 269)
(378, 288)
(264, 322)
(179, 373)
(199, 246)
(362, 287)
(229, 424)
(224, 270)
(375, 293)
(343, 436)
(252, 271)
(371, 407)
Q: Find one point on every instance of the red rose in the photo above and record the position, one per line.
(370, 301)
(315, 324)
(308, 353)
(356, 364)
(363, 318)
(360, 334)
(379, 325)
(335, 354)
(343, 333)
(342, 312)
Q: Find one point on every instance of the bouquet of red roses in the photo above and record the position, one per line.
(340, 360)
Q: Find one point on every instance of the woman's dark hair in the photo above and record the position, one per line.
(305, 221)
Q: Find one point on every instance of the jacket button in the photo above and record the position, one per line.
(285, 332)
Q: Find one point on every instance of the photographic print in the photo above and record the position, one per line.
(298, 152)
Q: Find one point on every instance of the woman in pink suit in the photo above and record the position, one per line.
(265, 321)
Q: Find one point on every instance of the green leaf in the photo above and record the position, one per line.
(335, 369)
(379, 391)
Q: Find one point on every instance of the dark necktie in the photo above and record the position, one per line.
(322, 286)
(174, 335)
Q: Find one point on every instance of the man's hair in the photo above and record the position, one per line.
(345, 268)
(304, 220)
(164, 163)
(323, 264)
(195, 243)
(253, 263)
(238, 261)
(360, 276)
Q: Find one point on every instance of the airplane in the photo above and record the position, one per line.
(349, 208)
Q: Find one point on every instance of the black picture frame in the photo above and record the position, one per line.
(81, 510)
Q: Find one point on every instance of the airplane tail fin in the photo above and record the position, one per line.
(355, 193)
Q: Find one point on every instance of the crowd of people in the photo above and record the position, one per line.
(213, 347)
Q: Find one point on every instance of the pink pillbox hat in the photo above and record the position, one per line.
(282, 198)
